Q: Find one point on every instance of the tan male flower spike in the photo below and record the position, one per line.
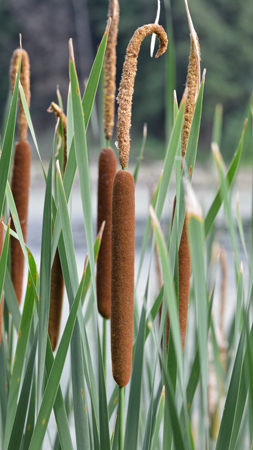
(192, 83)
(127, 85)
(25, 82)
(110, 70)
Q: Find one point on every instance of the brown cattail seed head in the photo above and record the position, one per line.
(126, 88)
(25, 82)
(1, 300)
(122, 293)
(192, 88)
(20, 190)
(106, 173)
(110, 69)
(184, 275)
(56, 300)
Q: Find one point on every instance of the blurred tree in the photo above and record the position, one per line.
(8, 37)
(225, 32)
(224, 28)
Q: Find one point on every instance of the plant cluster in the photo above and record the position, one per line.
(180, 381)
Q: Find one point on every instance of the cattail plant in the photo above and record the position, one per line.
(184, 260)
(123, 223)
(1, 300)
(21, 170)
(57, 280)
(106, 170)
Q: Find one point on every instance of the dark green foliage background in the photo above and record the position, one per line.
(224, 28)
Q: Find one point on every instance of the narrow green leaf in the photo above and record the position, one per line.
(196, 238)
(54, 376)
(154, 311)
(214, 208)
(11, 300)
(113, 401)
(224, 191)
(83, 166)
(31, 417)
(8, 142)
(29, 121)
(147, 233)
(151, 418)
(3, 391)
(158, 421)
(217, 124)
(45, 278)
(103, 411)
(230, 408)
(3, 260)
(170, 297)
(136, 170)
(77, 368)
(59, 406)
(19, 420)
(179, 439)
(20, 353)
(132, 422)
(91, 88)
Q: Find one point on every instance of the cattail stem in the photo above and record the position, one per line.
(121, 418)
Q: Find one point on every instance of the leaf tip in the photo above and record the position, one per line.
(192, 205)
(108, 26)
(85, 262)
(71, 51)
(101, 230)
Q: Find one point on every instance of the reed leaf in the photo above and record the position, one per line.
(55, 375)
(8, 141)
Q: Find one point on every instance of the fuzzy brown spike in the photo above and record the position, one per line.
(127, 85)
(25, 82)
(110, 70)
(56, 301)
(1, 301)
(122, 294)
(20, 191)
(184, 275)
(107, 170)
(192, 91)
(184, 269)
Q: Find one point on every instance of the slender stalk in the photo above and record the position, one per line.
(107, 143)
(121, 418)
(104, 346)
